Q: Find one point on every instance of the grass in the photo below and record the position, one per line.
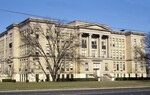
(70, 85)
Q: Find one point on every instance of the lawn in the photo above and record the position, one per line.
(70, 85)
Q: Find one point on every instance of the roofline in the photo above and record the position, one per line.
(49, 21)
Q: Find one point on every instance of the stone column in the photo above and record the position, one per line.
(99, 46)
(108, 46)
(89, 45)
(80, 43)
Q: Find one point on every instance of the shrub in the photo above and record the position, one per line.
(78, 79)
(139, 78)
(8, 80)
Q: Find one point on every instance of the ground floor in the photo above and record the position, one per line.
(106, 69)
(42, 77)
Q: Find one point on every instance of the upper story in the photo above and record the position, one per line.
(97, 40)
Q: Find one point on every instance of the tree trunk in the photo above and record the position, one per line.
(54, 78)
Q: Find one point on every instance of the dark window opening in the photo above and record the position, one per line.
(10, 45)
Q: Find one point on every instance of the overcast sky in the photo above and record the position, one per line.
(118, 14)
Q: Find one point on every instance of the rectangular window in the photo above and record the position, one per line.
(96, 65)
(37, 50)
(37, 66)
(94, 45)
(123, 43)
(86, 65)
(124, 66)
(114, 65)
(47, 33)
(117, 67)
(93, 53)
(116, 42)
(106, 66)
(10, 37)
(37, 33)
(104, 54)
(134, 43)
(84, 52)
(123, 54)
(121, 67)
(113, 42)
(103, 44)
(47, 49)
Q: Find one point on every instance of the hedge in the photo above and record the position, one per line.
(8, 80)
(139, 78)
(78, 79)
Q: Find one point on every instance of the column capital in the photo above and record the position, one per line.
(90, 34)
(100, 35)
(80, 33)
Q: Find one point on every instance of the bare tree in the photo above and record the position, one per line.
(61, 45)
(143, 52)
(9, 71)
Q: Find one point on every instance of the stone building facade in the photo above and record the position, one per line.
(104, 53)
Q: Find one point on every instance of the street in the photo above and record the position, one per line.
(115, 91)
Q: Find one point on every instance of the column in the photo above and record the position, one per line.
(80, 43)
(89, 45)
(108, 46)
(100, 46)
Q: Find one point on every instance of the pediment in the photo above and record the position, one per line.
(95, 26)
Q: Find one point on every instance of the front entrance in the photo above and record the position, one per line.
(37, 77)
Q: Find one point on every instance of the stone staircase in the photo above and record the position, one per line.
(104, 77)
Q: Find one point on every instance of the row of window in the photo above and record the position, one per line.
(119, 66)
(114, 42)
(117, 42)
(118, 54)
(139, 66)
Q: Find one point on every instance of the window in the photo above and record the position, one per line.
(37, 33)
(86, 67)
(113, 54)
(37, 36)
(104, 54)
(94, 45)
(84, 52)
(47, 33)
(114, 66)
(121, 67)
(120, 54)
(37, 66)
(93, 53)
(136, 66)
(116, 42)
(123, 54)
(47, 49)
(141, 42)
(10, 37)
(103, 44)
(113, 42)
(117, 54)
(119, 43)
(117, 67)
(142, 66)
(122, 43)
(96, 65)
(124, 66)
(106, 66)
(84, 43)
(67, 66)
(134, 43)
(37, 50)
